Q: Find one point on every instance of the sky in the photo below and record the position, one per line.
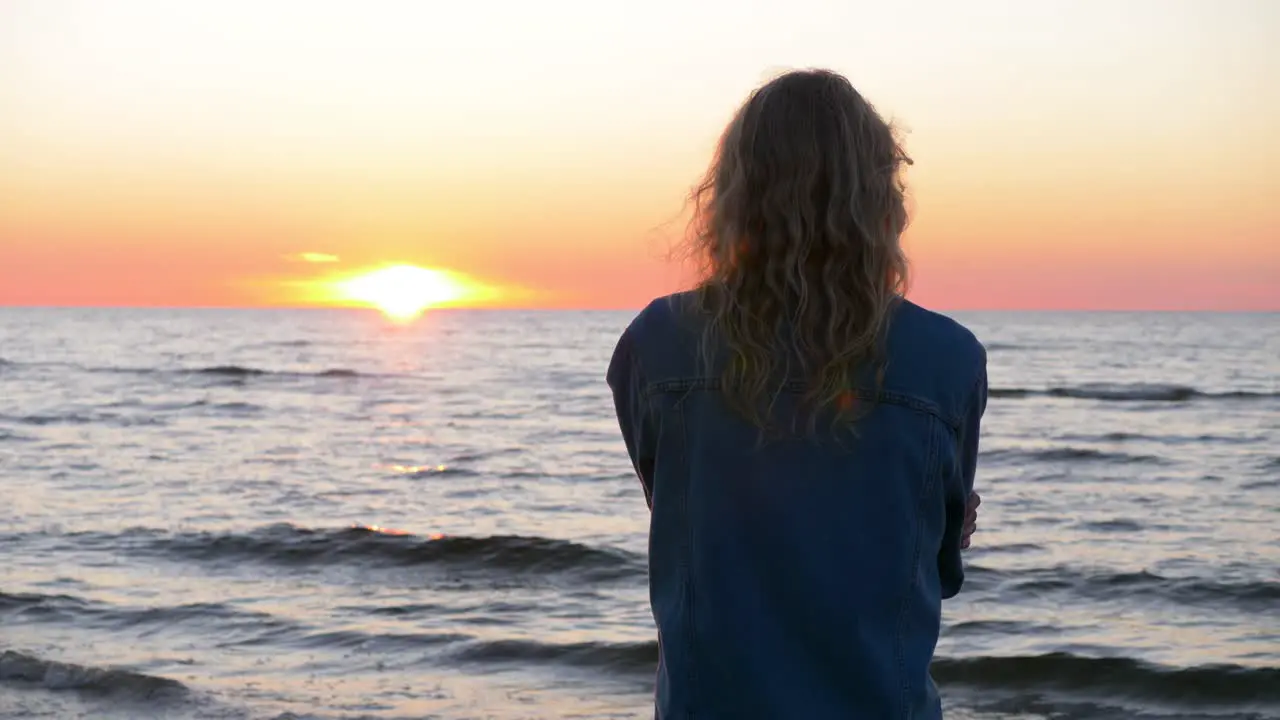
(1091, 154)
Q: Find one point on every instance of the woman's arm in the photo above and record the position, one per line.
(960, 495)
(629, 403)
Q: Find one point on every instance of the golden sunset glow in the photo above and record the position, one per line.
(1067, 154)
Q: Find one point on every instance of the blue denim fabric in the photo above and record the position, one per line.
(801, 578)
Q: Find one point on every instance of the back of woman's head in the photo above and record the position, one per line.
(798, 222)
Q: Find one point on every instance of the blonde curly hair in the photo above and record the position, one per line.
(797, 226)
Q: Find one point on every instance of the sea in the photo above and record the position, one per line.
(289, 514)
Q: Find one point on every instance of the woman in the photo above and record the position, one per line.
(805, 436)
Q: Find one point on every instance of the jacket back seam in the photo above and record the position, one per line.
(686, 572)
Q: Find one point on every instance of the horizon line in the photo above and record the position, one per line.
(611, 308)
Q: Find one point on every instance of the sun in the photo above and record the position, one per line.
(402, 292)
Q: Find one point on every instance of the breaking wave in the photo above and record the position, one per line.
(1071, 454)
(1206, 684)
(297, 546)
(1130, 392)
(20, 668)
(1246, 595)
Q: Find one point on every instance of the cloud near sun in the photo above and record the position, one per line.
(315, 257)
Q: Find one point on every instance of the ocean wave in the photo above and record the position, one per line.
(338, 373)
(8, 436)
(35, 607)
(1000, 627)
(283, 344)
(1011, 548)
(224, 372)
(636, 657)
(241, 372)
(228, 371)
(18, 602)
(50, 419)
(397, 610)
(1129, 392)
(232, 407)
(135, 414)
(1247, 596)
(1126, 437)
(20, 668)
(358, 640)
(1206, 684)
(422, 472)
(1057, 671)
(1114, 526)
(1070, 455)
(1097, 676)
(82, 418)
(232, 626)
(371, 546)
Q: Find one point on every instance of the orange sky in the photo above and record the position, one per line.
(1069, 154)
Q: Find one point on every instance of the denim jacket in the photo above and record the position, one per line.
(793, 578)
